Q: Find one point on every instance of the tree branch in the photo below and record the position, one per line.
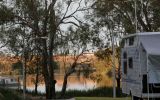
(66, 17)
(70, 22)
(4, 45)
(23, 21)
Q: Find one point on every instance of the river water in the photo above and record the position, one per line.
(74, 83)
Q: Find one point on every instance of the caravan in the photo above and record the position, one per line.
(140, 60)
(9, 82)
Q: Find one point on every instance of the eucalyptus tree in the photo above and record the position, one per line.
(80, 42)
(122, 17)
(42, 18)
(126, 12)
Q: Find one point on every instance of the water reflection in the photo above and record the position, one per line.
(74, 83)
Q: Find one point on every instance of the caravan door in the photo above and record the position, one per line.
(154, 68)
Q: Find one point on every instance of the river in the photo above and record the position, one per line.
(74, 83)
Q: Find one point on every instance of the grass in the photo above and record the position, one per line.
(103, 93)
(97, 92)
(6, 94)
(101, 98)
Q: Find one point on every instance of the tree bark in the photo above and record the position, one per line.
(25, 73)
(67, 74)
(52, 33)
(118, 86)
(51, 74)
(37, 76)
(118, 80)
(45, 69)
(118, 83)
(64, 86)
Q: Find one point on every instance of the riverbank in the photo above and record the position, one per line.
(103, 93)
(97, 92)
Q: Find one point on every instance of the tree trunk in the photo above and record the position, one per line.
(51, 67)
(24, 83)
(53, 30)
(118, 80)
(118, 86)
(64, 86)
(51, 74)
(118, 83)
(45, 70)
(37, 76)
(67, 74)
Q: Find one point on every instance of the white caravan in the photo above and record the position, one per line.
(9, 82)
(140, 60)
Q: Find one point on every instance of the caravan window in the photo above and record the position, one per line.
(131, 41)
(124, 55)
(11, 80)
(130, 61)
(125, 67)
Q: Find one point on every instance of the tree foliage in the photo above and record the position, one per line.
(36, 19)
(122, 13)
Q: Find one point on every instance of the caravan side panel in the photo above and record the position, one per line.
(131, 80)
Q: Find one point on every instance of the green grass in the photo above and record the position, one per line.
(6, 94)
(101, 98)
